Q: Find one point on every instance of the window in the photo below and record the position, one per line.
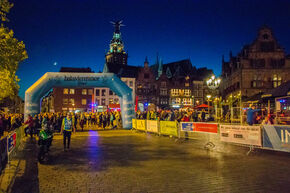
(163, 84)
(174, 92)
(111, 101)
(84, 101)
(84, 91)
(90, 91)
(65, 101)
(103, 92)
(177, 100)
(71, 91)
(187, 92)
(163, 101)
(65, 91)
(257, 81)
(186, 84)
(163, 91)
(116, 101)
(277, 80)
(200, 93)
(103, 101)
(97, 92)
(97, 102)
(131, 84)
(72, 101)
(186, 101)
(111, 92)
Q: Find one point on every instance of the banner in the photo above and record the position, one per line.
(206, 127)
(249, 135)
(199, 127)
(168, 128)
(277, 137)
(134, 124)
(152, 126)
(141, 125)
(3, 154)
(187, 126)
(11, 142)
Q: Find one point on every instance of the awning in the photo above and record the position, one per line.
(114, 106)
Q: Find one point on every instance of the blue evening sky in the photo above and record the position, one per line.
(76, 33)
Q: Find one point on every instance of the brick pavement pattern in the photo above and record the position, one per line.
(122, 161)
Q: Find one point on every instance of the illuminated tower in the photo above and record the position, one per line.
(116, 56)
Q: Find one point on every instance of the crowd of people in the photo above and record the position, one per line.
(100, 120)
(189, 115)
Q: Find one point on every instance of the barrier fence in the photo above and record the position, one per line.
(274, 137)
(9, 146)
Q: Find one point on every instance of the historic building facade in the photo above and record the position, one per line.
(72, 99)
(259, 67)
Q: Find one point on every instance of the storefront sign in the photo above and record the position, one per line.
(168, 128)
(249, 135)
(141, 125)
(277, 137)
(152, 126)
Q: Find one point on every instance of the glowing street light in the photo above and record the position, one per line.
(213, 82)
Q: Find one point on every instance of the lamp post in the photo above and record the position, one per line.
(213, 83)
(208, 98)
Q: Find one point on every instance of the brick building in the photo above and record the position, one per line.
(72, 99)
(257, 68)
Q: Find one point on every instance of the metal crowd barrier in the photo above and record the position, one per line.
(271, 137)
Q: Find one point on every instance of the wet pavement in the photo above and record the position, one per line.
(125, 161)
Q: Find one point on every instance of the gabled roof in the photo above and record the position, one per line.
(128, 71)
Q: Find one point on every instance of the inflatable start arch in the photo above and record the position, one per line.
(80, 80)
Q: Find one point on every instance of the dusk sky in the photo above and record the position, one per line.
(77, 33)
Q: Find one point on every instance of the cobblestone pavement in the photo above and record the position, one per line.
(125, 161)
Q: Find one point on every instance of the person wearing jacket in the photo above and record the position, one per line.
(67, 127)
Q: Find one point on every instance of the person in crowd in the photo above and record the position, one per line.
(251, 114)
(29, 128)
(203, 115)
(67, 128)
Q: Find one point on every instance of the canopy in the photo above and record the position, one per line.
(202, 106)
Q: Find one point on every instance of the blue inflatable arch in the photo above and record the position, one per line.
(80, 80)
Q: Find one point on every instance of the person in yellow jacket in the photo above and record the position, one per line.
(67, 127)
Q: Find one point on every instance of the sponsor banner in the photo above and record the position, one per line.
(152, 126)
(141, 125)
(168, 128)
(206, 127)
(134, 123)
(277, 137)
(3, 154)
(249, 135)
(187, 126)
(199, 127)
(11, 142)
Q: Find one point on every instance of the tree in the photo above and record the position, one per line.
(12, 52)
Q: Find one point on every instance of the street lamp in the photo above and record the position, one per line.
(213, 82)
(208, 98)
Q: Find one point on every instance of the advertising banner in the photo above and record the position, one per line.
(249, 135)
(11, 142)
(152, 126)
(141, 125)
(277, 137)
(168, 128)
(206, 127)
(134, 123)
(187, 126)
(199, 127)
(3, 154)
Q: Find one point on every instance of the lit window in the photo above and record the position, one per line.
(72, 101)
(174, 92)
(111, 101)
(163, 92)
(90, 91)
(187, 92)
(84, 101)
(65, 91)
(187, 84)
(103, 101)
(71, 91)
(116, 101)
(65, 101)
(277, 80)
(84, 91)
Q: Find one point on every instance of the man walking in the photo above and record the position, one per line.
(67, 127)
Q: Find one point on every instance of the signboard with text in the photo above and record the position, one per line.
(152, 126)
(199, 127)
(277, 137)
(134, 123)
(249, 135)
(168, 128)
(11, 142)
(141, 124)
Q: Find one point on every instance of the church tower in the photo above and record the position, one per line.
(116, 56)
